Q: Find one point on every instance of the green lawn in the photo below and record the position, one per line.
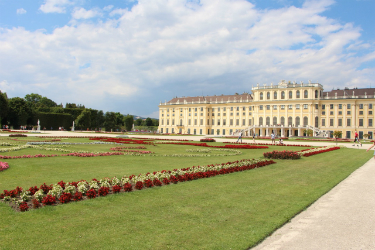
(233, 211)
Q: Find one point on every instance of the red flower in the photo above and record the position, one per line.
(49, 200)
(77, 196)
(65, 197)
(91, 194)
(23, 206)
(103, 191)
(128, 187)
(139, 185)
(116, 189)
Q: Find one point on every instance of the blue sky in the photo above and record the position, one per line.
(127, 56)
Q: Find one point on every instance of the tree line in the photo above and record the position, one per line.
(24, 112)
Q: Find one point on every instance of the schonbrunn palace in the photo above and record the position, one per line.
(287, 109)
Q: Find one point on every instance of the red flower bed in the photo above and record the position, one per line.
(65, 197)
(207, 140)
(23, 206)
(321, 151)
(103, 191)
(188, 174)
(288, 155)
(49, 200)
(91, 194)
(17, 135)
(3, 166)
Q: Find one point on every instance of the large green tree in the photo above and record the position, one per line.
(84, 119)
(148, 122)
(110, 121)
(3, 107)
(19, 112)
(128, 120)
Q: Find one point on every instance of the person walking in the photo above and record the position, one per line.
(240, 137)
(356, 139)
(254, 137)
(372, 146)
(273, 138)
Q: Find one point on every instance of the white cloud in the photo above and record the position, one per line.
(55, 6)
(160, 49)
(81, 13)
(21, 11)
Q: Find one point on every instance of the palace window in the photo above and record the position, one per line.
(290, 106)
(231, 122)
(268, 121)
(268, 95)
(305, 106)
(331, 106)
(268, 107)
(348, 112)
(260, 107)
(282, 95)
(274, 107)
(297, 94)
(340, 122)
(323, 106)
(370, 122)
(370, 105)
(348, 122)
(305, 94)
(261, 96)
(290, 95)
(323, 113)
(224, 122)
(340, 106)
(218, 122)
(323, 122)
(261, 121)
(237, 122)
(275, 95)
(348, 106)
(360, 122)
(282, 107)
(331, 122)
(360, 106)
(297, 106)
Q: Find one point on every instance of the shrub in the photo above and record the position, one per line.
(65, 197)
(289, 155)
(49, 200)
(45, 188)
(128, 187)
(156, 182)
(116, 188)
(36, 203)
(148, 183)
(207, 140)
(33, 190)
(103, 191)
(139, 185)
(23, 206)
(77, 196)
(91, 194)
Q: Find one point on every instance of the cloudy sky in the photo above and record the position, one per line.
(127, 56)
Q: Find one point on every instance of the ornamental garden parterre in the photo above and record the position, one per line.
(65, 191)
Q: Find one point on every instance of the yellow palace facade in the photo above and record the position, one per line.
(287, 109)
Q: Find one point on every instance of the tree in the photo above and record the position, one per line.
(119, 120)
(148, 122)
(128, 120)
(3, 106)
(110, 121)
(19, 112)
(337, 134)
(100, 119)
(84, 119)
(308, 132)
(138, 122)
(155, 122)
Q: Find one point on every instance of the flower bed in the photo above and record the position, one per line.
(3, 166)
(269, 144)
(315, 151)
(61, 193)
(17, 135)
(288, 155)
(208, 140)
(240, 146)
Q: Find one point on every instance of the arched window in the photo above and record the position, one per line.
(316, 121)
(275, 95)
(290, 95)
(274, 120)
(180, 122)
(305, 121)
(261, 96)
(268, 121)
(268, 95)
(282, 121)
(290, 121)
(297, 123)
(297, 94)
(282, 95)
(260, 121)
(305, 94)
(316, 93)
